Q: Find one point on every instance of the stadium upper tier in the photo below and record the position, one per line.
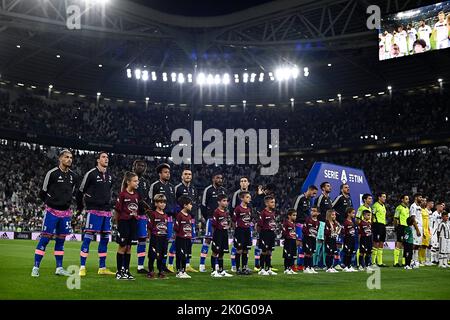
(376, 119)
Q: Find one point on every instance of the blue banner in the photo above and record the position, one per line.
(337, 175)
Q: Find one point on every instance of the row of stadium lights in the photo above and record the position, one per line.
(244, 102)
(281, 74)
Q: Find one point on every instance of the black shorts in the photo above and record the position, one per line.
(242, 239)
(266, 241)
(365, 245)
(127, 232)
(309, 245)
(330, 246)
(184, 247)
(290, 248)
(158, 246)
(349, 245)
(379, 232)
(219, 242)
(400, 230)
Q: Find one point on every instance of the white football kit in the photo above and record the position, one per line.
(441, 35)
(412, 36)
(424, 33)
(416, 211)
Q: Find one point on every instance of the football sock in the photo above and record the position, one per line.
(415, 256)
(348, 260)
(171, 258)
(85, 248)
(244, 260)
(308, 261)
(396, 255)
(204, 253)
(119, 261)
(188, 259)
(257, 257)
(287, 264)
(220, 264)
(374, 255)
(336, 259)
(40, 250)
(172, 253)
(126, 263)
(59, 251)
(151, 260)
(368, 259)
(233, 256)
(421, 255)
(380, 256)
(159, 265)
(178, 262)
(214, 263)
(361, 261)
(262, 261)
(300, 256)
(103, 250)
(237, 261)
(329, 261)
(268, 261)
(140, 249)
(342, 257)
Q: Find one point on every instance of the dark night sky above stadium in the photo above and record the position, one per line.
(200, 7)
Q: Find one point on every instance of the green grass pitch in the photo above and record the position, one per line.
(16, 258)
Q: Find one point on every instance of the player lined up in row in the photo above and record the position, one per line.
(142, 209)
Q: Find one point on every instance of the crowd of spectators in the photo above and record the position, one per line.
(305, 126)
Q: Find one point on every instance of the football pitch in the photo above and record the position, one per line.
(16, 258)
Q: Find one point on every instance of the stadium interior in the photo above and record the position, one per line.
(120, 76)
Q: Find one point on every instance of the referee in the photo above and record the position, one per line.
(401, 214)
(379, 228)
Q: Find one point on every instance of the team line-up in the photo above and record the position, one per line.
(333, 231)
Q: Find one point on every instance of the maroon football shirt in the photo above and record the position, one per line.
(220, 219)
(158, 223)
(183, 227)
(289, 230)
(349, 228)
(242, 217)
(331, 229)
(127, 204)
(267, 220)
(365, 229)
(311, 227)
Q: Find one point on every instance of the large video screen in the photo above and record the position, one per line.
(415, 31)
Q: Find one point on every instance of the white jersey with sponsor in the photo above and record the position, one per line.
(400, 40)
(416, 211)
(435, 219)
(441, 31)
(388, 42)
(425, 33)
(412, 36)
(444, 237)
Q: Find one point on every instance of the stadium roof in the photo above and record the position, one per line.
(125, 34)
